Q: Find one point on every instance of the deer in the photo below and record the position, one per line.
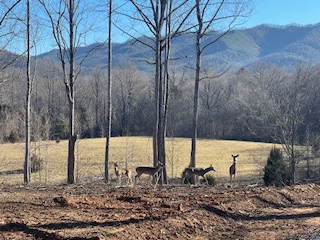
(120, 172)
(151, 171)
(190, 171)
(232, 169)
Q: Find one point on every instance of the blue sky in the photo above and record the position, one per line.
(279, 12)
(284, 12)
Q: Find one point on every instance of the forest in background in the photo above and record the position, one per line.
(247, 104)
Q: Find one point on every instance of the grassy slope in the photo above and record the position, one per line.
(136, 151)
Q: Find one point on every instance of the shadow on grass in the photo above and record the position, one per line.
(235, 216)
(11, 172)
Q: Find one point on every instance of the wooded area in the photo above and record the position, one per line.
(250, 104)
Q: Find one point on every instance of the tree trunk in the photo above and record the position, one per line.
(71, 145)
(109, 103)
(196, 90)
(70, 91)
(27, 174)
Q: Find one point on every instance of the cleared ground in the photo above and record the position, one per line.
(99, 211)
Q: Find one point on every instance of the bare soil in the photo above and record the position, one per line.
(99, 211)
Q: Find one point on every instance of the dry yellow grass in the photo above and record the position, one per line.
(132, 152)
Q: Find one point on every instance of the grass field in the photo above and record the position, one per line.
(132, 152)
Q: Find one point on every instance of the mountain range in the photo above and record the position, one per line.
(285, 46)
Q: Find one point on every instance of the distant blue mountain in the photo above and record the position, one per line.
(285, 46)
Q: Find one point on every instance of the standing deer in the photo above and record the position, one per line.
(189, 171)
(232, 169)
(120, 172)
(151, 171)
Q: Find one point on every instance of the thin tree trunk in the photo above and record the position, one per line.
(109, 104)
(195, 114)
(166, 89)
(157, 103)
(27, 175)
(72, 137)
(196, 90)
(293, 158)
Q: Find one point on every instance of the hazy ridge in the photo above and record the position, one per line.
(285, 46)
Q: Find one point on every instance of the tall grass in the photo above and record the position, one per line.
(131, 152)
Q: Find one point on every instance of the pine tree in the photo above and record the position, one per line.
(276, 172)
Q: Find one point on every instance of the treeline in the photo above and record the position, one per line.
(263, 103)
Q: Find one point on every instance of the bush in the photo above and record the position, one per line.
(61, 128)
(316, 146)
(13, 137)
(211, 180)
(195, 179)
(276, 172)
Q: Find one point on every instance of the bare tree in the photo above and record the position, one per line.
(69, 25)
(287, 110)
(98, 77)
(273, 102)
(210, 95)
(127, 86)
(164, 20)
(210, 16)
(27, 171)
(109, 102)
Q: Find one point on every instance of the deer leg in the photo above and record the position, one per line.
(129, 181)
(206, 180)
(135, 178)
(184, 177)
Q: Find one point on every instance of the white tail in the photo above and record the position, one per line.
(120, 172)
(151, 171)
(233, 168)
(188, 172)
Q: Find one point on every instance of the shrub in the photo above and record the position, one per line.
(316, 146)
(61, 128)
(195, 179)
(276, 172)
(211, 180)
(13, 137)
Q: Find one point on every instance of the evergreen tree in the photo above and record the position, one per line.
(276, 171)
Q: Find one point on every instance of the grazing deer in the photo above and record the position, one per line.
(232, 169)
(122, 172)
(189, 171)
(151, 171)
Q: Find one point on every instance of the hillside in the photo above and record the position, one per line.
(286, 46)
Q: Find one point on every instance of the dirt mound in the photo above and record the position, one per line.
(171, 212)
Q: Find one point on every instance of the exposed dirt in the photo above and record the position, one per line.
(98, 211)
